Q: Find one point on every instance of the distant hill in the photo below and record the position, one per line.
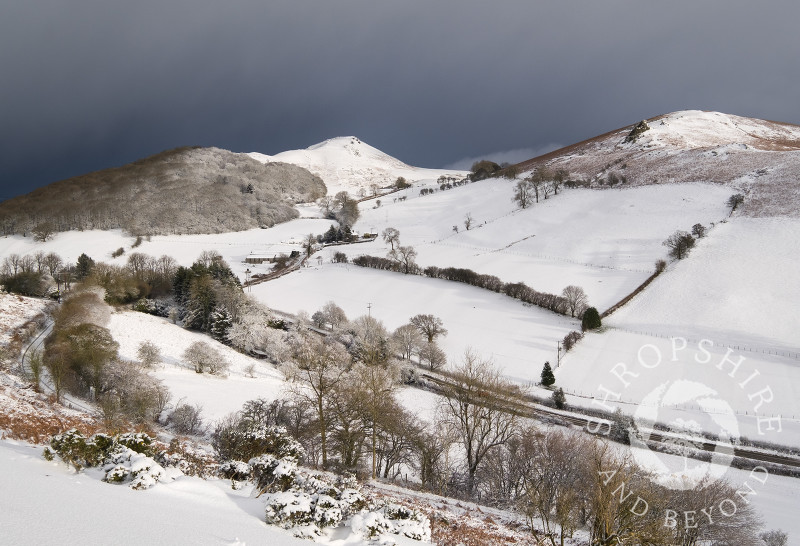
(758, 158)
(186, 190)
(349, 164)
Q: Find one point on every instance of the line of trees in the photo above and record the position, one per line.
(572, 303)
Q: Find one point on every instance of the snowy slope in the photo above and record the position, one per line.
(218, 396)
(736, 289)
(47, 503)
(347, 163)
(604, 241)
(758, 158)
(83, 510)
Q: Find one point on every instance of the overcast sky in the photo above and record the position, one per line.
(90, 84)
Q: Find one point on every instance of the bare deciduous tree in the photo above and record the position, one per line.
(391, 236)
(405, 256)
(334, 315)
(429, 326)
(149, 354)
(474, 404)
(576, 299)
(408, 339)
(320, 368)
(523, 193)
(205, 358)
(679, 244)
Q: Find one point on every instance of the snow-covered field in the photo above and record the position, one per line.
(517, 337)
(738, 290)
(218, 396)
(604, 241)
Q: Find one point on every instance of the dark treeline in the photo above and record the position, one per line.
(517, 290)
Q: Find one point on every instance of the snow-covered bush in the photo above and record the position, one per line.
(205, 358)
(408, 522)
(124, 465)
(234, 470)
(124, 458)
(248, 434)
(75, 449)
(158, 308)
(308, 503)
(370, 525)
(272, 474)
(137, 441)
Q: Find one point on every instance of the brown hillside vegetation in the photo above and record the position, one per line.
(760, 159)
(186, 190)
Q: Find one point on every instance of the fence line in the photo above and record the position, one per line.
(774, 352)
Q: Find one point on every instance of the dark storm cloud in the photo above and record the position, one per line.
(88, 84)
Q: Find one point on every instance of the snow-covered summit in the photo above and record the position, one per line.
(758, 158)
(348, 163)
(692, 129)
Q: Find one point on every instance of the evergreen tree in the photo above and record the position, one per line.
(547, 375)
(84, 266)
(220, 322)
(591, 319)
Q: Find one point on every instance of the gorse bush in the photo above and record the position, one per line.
(126, 458)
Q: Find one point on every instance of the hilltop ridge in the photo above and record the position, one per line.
(758, 158)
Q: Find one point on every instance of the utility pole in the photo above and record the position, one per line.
(369, 310)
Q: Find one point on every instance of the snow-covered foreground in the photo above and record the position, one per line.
(48, 503)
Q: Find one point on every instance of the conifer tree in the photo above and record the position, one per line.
(547, 375)
(591, 319)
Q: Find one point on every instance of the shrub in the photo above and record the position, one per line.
(559, 399)
(75, 449)
(205, 358)
(138, 442)
(339, 258)
(187, 419)
(117, 253)
(124, 458)
(273, 474)
(239, 437)
(234, 470)
(571, 339)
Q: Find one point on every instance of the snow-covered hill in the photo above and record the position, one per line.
(347, 163)
(758, 158)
